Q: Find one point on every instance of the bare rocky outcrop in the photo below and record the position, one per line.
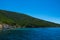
(6, 26)
(1, 26)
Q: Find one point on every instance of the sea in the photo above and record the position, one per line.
(31, 34)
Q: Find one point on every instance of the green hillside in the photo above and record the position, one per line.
(23, 20)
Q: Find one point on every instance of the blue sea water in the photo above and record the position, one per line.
(33, 34)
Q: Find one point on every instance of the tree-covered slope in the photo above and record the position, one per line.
(23, 19)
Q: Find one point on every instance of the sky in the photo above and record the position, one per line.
(43, 9)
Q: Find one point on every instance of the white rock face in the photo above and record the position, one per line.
(1, 26)
(5, 25)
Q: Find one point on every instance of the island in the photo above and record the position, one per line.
(10, 20)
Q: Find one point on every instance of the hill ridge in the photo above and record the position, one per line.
(24, 20)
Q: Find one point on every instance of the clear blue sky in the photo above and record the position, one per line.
(43, 9)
